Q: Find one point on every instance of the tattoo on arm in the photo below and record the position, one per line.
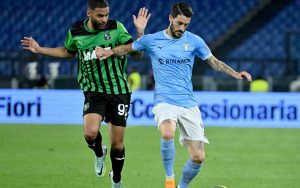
(122, 50)
(127, 49)
(139, 35)
(220, 66)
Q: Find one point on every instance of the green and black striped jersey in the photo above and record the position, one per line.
(106, 76)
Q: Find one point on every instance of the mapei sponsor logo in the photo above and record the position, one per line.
(19, 108)
(174, 61)
(275, 111)
(90, 55)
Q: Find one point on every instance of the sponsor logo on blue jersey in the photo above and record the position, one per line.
(174, 61)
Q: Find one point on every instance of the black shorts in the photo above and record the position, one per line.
(112, 108)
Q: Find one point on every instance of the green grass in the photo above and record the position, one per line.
(56, 156)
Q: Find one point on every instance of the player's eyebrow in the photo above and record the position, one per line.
(103, 14)
(182, 23)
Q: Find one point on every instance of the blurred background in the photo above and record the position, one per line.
(259, 36)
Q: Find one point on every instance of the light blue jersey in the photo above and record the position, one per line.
(172, 63)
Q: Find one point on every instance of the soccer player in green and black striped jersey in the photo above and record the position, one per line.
(109, 76)
(104, 83)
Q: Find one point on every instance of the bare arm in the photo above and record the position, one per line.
(123, 50)
(221, 66)
(102, 53)
(59, 52)
(30, 44)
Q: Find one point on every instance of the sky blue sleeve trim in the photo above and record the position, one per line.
(133, 46)
(208, 55)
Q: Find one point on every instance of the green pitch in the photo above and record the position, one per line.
(56, 156)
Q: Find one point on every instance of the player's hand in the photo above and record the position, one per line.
(102, 54)
(141, 20)
(30, 44)
(244, 74)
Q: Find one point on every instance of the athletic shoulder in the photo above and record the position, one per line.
(146, 41)
(153, 35)
(78, 28)
(124, 36)
(119, 24)
(111, 25)
(193, 36)
(202, 50)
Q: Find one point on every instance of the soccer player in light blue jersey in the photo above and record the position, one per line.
(172, 52)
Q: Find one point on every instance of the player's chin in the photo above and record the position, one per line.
(100, 28)
(178, 34)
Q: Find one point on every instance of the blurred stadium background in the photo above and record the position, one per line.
(260, 36)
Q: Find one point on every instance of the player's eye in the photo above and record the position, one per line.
(184, 24)
(101, 15)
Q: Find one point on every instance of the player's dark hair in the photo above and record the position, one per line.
(93, 4)
(181, 8)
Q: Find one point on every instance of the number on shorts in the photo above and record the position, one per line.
(122, 109)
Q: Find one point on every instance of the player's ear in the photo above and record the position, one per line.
(171, 18)
(89, 12)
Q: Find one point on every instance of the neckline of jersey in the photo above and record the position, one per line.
(87, 28)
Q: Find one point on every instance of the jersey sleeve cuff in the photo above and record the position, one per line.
(206, 57)
(71, 51)
(129, 41)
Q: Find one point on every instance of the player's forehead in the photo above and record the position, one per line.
(101, 11)
(182, 19)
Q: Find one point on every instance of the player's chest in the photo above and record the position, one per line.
(103, 39)
(172, 49)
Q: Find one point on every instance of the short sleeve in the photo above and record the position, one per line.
(69, 44)
(124, 36)
(202, 50)
(140, 43)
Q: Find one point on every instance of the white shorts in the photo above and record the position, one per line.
(188, 120)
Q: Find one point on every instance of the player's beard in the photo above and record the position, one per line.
(97, 25)
(175, 33)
